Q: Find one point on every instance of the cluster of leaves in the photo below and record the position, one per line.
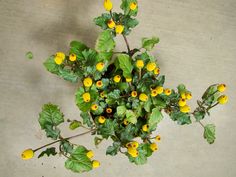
(130, 117)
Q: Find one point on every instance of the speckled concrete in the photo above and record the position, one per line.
(198, 48)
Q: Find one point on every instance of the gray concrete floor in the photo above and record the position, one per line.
(198, 48)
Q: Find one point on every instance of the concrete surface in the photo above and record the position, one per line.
(198, 48)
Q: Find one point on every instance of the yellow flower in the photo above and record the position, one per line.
(117, 78)
(107, 5)
(99, 84)
(27, 154)
(145, 127)
(90, 154)
(185, 109)
(182, 102)
(183, 95)
(139, 63)
(72, 57)
(88, 82)
(134, 94)
(100, 66)
(58, 60)
(95, 164)
(111, 24)
(126, 122)
(221, 87)
(86, 97)
(133, 152)
(133, 5)
(119, 29)
(167, 91)
(154, 92)
(134, 144)
(128, 145)
(101, 119)
(223, 99)
(188, 96)
(143, 97)
(109, 110)
(94, 107)
(61, 55)
(128, 79)
(158, 138)
(102, 94)
(153, 147)
(151, 66)
(156, 71)
(159, 89)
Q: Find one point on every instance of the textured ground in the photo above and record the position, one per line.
(198, 47)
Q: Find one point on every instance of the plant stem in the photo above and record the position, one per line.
(201, 124)
(212, 106)
(70, 137)
(127, 43)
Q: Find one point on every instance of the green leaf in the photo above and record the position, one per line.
(105, 42)
(147, 105)
(125, 5)
(125, 64)
(51, 66)
(83, 106)
(113, 150)
(49, 118)
(155, 118)
(149, 43)
(113, 97)
(78, 45)
(78, 161)
(108, 128)
(181, 88)
(121, 111)
(48, 152)
(102, 20)
(75, 124)
(66, 146)
(86, 119)
(159, 102)
(29, 55)
(209, 133)
(97, 141)
(181, 118)
(68, 75)
(140, 159)
(199, 115)
(127, 134)
(131, 117)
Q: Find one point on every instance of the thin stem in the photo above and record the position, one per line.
(201, 124)
(212, 106)
(70, 137)
(140, 73)
(127, 43)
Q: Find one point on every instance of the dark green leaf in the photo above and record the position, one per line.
(66, 146)
(78, 45)
(102, 20)
(113, 150)
(199, 115)
(97, 141)
(29, 55)
(68, 75)
(181, 118)
(48, 152)
(86, 119)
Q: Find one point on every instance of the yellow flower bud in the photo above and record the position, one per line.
(107, 5)
(183, 95)
(188, 96)
(151, 66)
(182, 102)
(94, 107)
(117, 78)
(139, 63)
(128, 79)
(143, 97)
(109, 110)
(102, 94)
(101, 119)
(221, 87)
(88, 82)
(61, 55)
(133, 152)
(128, 145)
(100, 66)
(156, 71)
(185, 109)
(119, 29)
(159, 89)
(154, 92)
(135, 144)
(125, 122)
(72, 57)
(133, 6)
(95, 164)
(223, 99)
(27, 154)
(90, 154)
(153, 147)
(145, 127)
(99, 84)
(111, 24)
(86, 97)
(167, 91)
(58, 60)
(158, 138)
(134, 94)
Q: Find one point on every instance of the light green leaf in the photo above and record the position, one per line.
(125, 64)
(131, 117)
(209, 133)
(75, 124)
(105, 42)
(29, 55)
(149, 43)
(86, 119)
(78, 161)
(51, 66)
(155, 118)
(126, 7)
(121, 111)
